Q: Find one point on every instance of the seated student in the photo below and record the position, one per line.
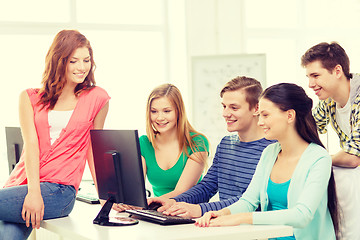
(236, 156)
(55, 124)
(293, 182)
(174, 154)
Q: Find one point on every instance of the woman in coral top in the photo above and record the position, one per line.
(55, 124)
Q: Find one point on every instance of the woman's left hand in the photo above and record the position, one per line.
(228, 220)
(214, 219)
(33, 209)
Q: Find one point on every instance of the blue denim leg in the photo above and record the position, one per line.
(10, 230)
(58, 200)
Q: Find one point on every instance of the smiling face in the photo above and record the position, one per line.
(236, 111)
(272, 119)
(163, 115)
(323, 82)
(78, 66)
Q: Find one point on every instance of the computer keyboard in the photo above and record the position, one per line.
(88, 198)
(87, 193)
(160, 218)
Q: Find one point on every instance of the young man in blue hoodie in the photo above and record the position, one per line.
(328, 71)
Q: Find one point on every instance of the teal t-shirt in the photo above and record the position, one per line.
(277, 193)
(164, 181)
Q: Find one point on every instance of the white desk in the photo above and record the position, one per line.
(78, 225)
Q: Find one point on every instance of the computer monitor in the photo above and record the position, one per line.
(14, 144)
(118, 169)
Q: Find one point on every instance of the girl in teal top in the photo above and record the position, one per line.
(174, 154)
(298, 158)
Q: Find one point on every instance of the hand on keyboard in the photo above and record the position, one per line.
(120, 207)
(154, 206)
(165, 202)
(184, 210)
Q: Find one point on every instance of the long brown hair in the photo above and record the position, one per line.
(63, 46)
(183, 125)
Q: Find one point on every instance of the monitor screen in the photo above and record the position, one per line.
(118, 166)
(14, 144)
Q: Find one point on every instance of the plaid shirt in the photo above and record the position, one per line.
(324, 113)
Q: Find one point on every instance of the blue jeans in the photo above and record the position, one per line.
(58, 200)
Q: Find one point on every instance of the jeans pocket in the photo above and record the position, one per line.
(49, 188)
(58, 199)
(69, 194)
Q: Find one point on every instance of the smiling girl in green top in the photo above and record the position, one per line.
(174, 154)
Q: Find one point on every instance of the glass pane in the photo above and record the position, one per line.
(35, 11)
(120, 11)
(282, 64)
(128, 65)
(271, 14)
(333, 13)
(22, 60)
(22, 64)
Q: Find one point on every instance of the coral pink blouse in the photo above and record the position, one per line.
(63, 161)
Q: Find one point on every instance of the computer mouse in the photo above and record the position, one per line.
(154, 205)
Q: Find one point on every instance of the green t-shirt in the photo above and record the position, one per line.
(164, 181)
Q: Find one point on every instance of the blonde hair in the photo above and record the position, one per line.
(183, 127)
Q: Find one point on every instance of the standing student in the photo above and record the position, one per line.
(55, 124)
(174, 154)
(236, 156)
(293, 181)
(327, 67)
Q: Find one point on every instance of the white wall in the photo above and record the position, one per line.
(216, 30)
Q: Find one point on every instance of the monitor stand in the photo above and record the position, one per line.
(103, 218)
